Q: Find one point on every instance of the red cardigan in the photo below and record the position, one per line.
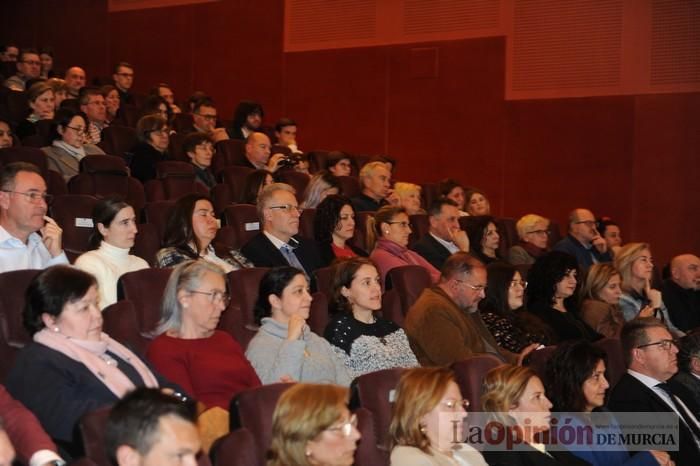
(23, 428)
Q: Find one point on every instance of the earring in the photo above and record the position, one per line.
(308, 453)
(423, 429)
(55, 329)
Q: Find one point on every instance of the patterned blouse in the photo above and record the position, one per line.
(234, 260)
(510, 333)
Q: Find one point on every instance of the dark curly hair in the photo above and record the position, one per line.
(500, 275)
(546, 272)
(328, 216)
(273, 283)
(571, 364)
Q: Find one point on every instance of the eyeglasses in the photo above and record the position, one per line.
(515, 283)
(477, 288)
(32, 62)
(663, 344)
(33, 196)
(126, 75)
(401, 224)
(346, 427)
(539, 232)
(220, 296)
(455, 404)
(287, 208)
(79, 130)
(588, 223)
(161, 132)
(208, 117)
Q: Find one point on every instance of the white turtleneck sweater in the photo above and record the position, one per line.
(107, 264)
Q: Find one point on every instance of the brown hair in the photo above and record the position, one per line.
(344, 272)
(502, 389)
(624, 259)
(374, 224)
(597, 277)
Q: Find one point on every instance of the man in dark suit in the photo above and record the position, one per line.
(681, 292)
(445, 237)
(650, 355)
(277, 244)
(687, 379)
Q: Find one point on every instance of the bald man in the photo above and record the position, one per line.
(257, 153)
(681, 291)
(583, 241)
(75, 80)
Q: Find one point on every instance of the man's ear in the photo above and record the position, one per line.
(127, 456)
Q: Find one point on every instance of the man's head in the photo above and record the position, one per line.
(257, 149)
(685, 271)
(375, 178)
(150, 428)
(582, 226)
(75, 80)
(248, 115)
(204, 115)
(9, 52)
(463, 278)
(199, 149)
(339, 163)
(689, 354)
(279, 211)
(92, 104)
(22, 199)
(165, 91)
(648, 348)
(123, 76)
(29, 64)
(444, 218)
(286, 131)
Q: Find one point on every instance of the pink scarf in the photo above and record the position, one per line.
(91, 353)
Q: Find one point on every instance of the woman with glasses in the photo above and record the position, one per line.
(484, 239)
(113, 236)
(312, 425)
(153, 136)
(387, 238)
(207, 363)
(600, 300)
(189, 235)
(427, 422)
(285, 349)
(533, 231)
(334, 228)
(501, 309)
(68, 136)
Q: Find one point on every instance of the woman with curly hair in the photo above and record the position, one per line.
(334, 227)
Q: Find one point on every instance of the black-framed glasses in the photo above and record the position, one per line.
(79, 130)
(33, 196)
(208, 117)
(287, 208)
(346, 427)
(588, 223)
(663, 344)
(220, 296)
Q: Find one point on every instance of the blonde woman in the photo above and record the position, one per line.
(600, 300)
(533, 231)
(408, 196)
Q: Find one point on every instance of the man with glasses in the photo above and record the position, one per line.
(257, 154)
(681, 292)
(123, 80)
(444, 325)
(445, 236)
(583, 241)
(650, 354)
(278, 243)
(204, 116)
(92, 104)
(28, 67)
(29, 239)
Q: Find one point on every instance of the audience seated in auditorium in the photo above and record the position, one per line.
(28, 67)
(156, 105)
(451, 189)
(5, 135)
(286, 133)
(68, 143)
(610, 231)
(322, 184)
(204, 115)
(247, 119)
(364, 341)
(165, 91)
(387, 237)
(681, 291)
(389, 162)
(207, 363)
(285, 349)
(28, 238)
(113, 236)
(427, 422)
(407, 195)
(476, 202)
(484, 239)
(639, 299)
(278, 244)
(576, 384)
(515, 398)
(151, 428)
(338, 163)
(600, 300)
(375, 179)
(42, 104)
(445, 236)
(312, 425)
(650, 355)
(112, 103)
(71, 367)
(46, 59)
(257, 154)
(60, 91)
(92, 104)
(583, 241)
(154, 136)
(123, 80)
(687, 379)
(552, 296)
(502, 309)
(254, 183)
(200, 151)
(334, 227)
(444, 325)
(75, 80)
(534, 240)
(9, 52)
(189, 234)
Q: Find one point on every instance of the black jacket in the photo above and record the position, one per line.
(431, 250)
(261, 252)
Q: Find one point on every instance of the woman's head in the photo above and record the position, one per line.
(409, 197)
(389, 223)
(635, 264)
(194, 298)
(65, 300)
(483, 234)
(153, 129)
(283, 293)
(533, 229)
(254, 183)
(70, 126)
(5, 135)
(322, 184)
(312, 425)
(477, 203)
(335, 219)
(553, 276)
(576, 377)
(339, 163)
(114, 222)
(112, 99)
(505, 289)
(191, 223)
(610, 231)
(427, 403)
(451, 189)
(357, 286)
(156, 105)
(603, 283)
(199, 148)
(42, 100)
(60, 90)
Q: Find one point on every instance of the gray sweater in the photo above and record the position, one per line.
(308, 359)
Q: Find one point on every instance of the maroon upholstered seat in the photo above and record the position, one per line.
(54, 181)
(616, 367)
(121, 323)
(243, 287)
(118, 140)
(244, 219)
(306, 223)
(420, 226)
(173, 180)
(236, 448)
(156, 213)
(317, 160)
(221, 197)
(318, 314)
(73, 212)
(538, 360)
(234, 177)
(349, 186)
(228, 152)
(296, 179)
(144, 288)
(409, 281)
(13, 336)
(470, 374)
(324, 283)
(92, 426)
(147, 243)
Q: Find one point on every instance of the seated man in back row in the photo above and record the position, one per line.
(445, 236)
(583, 241)
(375, 181)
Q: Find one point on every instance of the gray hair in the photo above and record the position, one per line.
(266, 194)
(186, 276)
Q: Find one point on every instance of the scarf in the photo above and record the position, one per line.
(93, 355)
(77, 152)
(533, 250)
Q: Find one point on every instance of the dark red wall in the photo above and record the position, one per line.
(439, 108)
